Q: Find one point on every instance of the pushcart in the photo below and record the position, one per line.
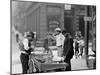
(38, 64)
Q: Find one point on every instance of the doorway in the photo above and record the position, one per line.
(81, 25)
(68, 24)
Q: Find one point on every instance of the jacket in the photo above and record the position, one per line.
(68, 51)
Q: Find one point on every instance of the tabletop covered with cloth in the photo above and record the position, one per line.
(45, 62)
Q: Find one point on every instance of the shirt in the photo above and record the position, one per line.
(25, 43)
(81, 42)
(59, 39)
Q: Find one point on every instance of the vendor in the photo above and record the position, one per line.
(26, 49)
(68, 51)
(59, 37)
(47, 42)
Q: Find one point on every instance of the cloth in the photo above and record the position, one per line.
(24, 60)
(57, 58)
(59, 39)
(28, 45)
(81, 50)
(68, 68)
(46, 43)
(60, 51)
(25, 43)
(76, 46)
(68, 51)
(32, 66)
(81, 43)
(21, 46)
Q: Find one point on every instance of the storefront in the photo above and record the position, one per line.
(44, 17)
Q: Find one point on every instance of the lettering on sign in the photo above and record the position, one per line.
(87, 19)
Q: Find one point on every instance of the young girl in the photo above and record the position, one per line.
(76, 47)
(47, 43)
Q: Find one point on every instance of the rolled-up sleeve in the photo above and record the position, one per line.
(25, 43)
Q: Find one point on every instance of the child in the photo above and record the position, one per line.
(47, 43)
(76, 46)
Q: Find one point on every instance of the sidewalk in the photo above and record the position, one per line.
(79, 64)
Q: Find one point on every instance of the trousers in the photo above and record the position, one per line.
(60, 51)
(68, 68)
(24, 60)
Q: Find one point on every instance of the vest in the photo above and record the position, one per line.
(21, 47)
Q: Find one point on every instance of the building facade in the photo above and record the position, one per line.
(45, 17)
(42, 18)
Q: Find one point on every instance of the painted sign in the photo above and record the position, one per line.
(87, 18)
(53, 22)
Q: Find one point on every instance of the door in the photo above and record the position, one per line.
(68, 24)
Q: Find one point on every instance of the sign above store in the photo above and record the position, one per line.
(67, 6)
(53, 22)
(87, 18)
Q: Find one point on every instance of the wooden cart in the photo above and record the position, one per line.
(37, 64)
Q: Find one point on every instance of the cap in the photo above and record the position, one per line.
(25, 34)
(57, 29)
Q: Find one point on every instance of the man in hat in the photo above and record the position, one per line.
(26, 48)
(59, 37)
